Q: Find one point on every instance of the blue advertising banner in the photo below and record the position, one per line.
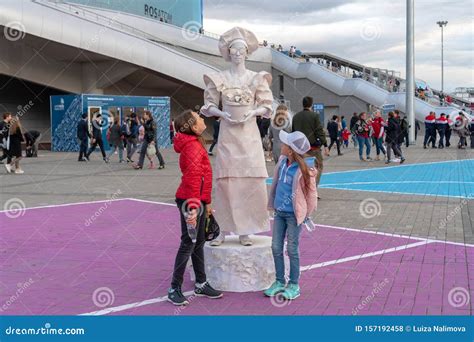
(319, 109)
(224, 328)
(66, 111)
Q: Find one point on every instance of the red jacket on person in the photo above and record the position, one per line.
(378, 127)
(196, 180)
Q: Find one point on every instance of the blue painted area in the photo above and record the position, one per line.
(449, 179)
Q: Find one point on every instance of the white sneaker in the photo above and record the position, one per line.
(19, 171)
(8, 167)
(219, 240)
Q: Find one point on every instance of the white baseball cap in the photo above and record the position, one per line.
(296, 140)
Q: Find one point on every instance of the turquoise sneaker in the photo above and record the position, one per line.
(291, 292)
(275, 289)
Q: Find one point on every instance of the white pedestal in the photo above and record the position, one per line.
(236, 268)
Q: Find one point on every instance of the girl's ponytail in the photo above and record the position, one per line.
(304, 171)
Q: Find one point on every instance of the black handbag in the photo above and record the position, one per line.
(212, 229)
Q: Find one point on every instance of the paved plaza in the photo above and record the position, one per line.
(101, 238)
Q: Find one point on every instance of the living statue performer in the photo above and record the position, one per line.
(241, 195)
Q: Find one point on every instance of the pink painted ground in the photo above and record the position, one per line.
(52, 261)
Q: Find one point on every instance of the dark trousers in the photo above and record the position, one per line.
(379, 146)
(143, 153)
(99, 142)
(429, 137)
(82, 148)
(406, 138)
(396, 150)
(433, 137)
(338, 145)
(214, 143)
(441, 138)
(189, 249)
(448, 137)
(472, 140)
(4, 155)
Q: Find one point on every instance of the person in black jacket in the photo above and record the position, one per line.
(14, 149)
(405, 130)
(32, 139)
(4, 128)
(471, 130)
(97, 138)
(82, 135)
(354, 119)
(449, 130)
(308, 123)
(392, 137)
(397, 117)
(149, 139)
(333, 130)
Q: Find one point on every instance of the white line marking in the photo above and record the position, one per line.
(396, 166)
(131, 306)
(303, 269)
(365, 255)
(69, 204)
(322, 225)
(153, 202)
(402, 182)
(357, 230)
(394, 192)
(396, 235)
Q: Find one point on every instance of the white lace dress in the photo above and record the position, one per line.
(240, 200)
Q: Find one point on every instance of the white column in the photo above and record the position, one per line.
(410, 70)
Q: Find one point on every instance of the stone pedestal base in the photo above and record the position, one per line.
(236, 268)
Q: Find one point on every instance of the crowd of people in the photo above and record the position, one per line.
(366, 132)
(128, 136)
(438, 130)
(134, 134)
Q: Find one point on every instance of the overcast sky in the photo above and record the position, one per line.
(371, 32)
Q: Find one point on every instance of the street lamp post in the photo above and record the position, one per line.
(442, 24)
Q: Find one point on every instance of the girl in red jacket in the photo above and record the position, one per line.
(193, 198)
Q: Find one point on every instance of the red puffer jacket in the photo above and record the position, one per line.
(196, 181)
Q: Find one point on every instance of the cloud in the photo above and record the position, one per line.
(371, 32)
